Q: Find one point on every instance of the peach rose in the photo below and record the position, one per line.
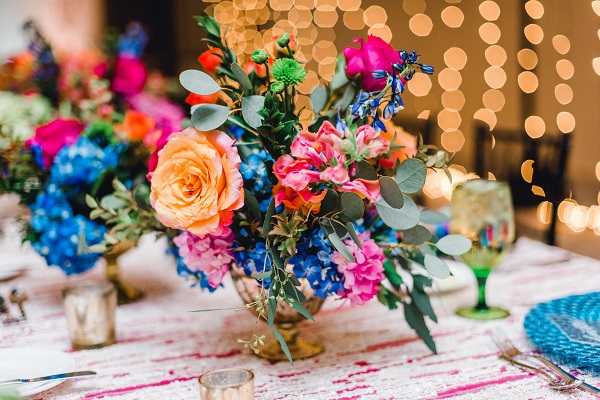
(197, 184)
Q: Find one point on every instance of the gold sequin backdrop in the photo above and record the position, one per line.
(486, 62)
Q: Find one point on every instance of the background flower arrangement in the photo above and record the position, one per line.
(327, 203)
(75, 129)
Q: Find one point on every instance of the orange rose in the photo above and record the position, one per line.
(197, 184)
(211, 59)
(137, 125)
(402, 138)
(194, 99)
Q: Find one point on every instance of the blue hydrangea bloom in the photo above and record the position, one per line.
(236, 131)
(198, 278)
(253, 261)
(83, 162)
(256, 180)
(313, 261)
(60, 232)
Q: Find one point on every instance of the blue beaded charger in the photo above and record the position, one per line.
(568, 329)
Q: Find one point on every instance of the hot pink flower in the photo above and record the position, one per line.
(363, 188)
(363, 276)
(210, 254)
(129, 76)
(295, 174)
(373, 54)
(337, 174)
(52, 137)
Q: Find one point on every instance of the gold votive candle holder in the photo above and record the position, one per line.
(227, 384)
(90, 310)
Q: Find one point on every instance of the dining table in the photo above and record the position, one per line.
(370, 352)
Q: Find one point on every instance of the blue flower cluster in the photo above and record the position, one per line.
(313, 261)
(133, 41)
(367, 103)
(83, 162)
(256, 180)
(60, 232)
(253, 260)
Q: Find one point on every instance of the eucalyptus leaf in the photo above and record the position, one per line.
(392, 275)
(436, 266)
(340, 246)
(282, 343)
(365, 170)
(353, 235)
(198, 82)
(241, 76)
(251, 107)
(268, 216)
(261, 275)
(340, 78)
(390, 192)
(339, 228)
(400, 219)
(411, 175)
(454, 245)
(352, 206)
(329, 203)
(433, 217)
(252, 204)
(421, 300)
(418, 234)
(209, 116)
(318, 98)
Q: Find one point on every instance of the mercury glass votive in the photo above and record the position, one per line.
(90, 310)
(227, 384)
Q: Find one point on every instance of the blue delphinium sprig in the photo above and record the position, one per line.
(256, 180)
(368, 104)
(60, 233)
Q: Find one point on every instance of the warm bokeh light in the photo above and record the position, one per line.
(437, 184)
(489, 10)
(375, 15)
(495, 55)
(449, 79)
(528, 59)
(534, 9)
(454, 100)
(383, 31)
(596, 65)
(495, 77)
(420, 25)
(565, 69)
(561, 44)
(489, 33)
(453, 141)
(487, 116)
(354, 19)
(534, 33)
(596, 7)
(598, 170)
(493, 100)
(420, 85)
(455, 58)
(544, 212)
(538, 191)
(449, 120)
(565, 122)
(326, 18)
(527, 170)
(563, 93)
(412, 7)
(528, 81)
(452, 16)
(535, 126)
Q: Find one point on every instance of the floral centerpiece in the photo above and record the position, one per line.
(304, 212)
(94, 143)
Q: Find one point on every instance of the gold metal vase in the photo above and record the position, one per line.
(125, 292)
(286, 319)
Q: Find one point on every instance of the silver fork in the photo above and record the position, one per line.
(510, 351)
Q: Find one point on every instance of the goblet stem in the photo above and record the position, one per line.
(481, 282)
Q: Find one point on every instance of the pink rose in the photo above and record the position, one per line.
(363, 276)
(210, 254)
(373, 54)
(295, 174)
(129, 76)
(49, 139)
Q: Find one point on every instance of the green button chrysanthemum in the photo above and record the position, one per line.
(288, 71)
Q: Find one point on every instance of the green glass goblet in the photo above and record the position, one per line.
(482, 210)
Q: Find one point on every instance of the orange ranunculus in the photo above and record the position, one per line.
(137, 125)
(293, 200)
(194, 99)
(197, 184)
(259, 69)
(211, 59)
(402, 138)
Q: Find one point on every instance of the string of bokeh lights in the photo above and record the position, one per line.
(254, 23)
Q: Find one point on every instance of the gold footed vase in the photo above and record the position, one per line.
(286, 319)
(125, 292)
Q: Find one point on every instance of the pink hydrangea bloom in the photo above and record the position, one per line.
(363, 276)
(209, 254)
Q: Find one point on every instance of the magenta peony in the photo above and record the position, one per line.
(49, 139)
(129, 76)
(373, 54)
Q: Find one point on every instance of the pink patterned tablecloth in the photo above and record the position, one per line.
(370, 352)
